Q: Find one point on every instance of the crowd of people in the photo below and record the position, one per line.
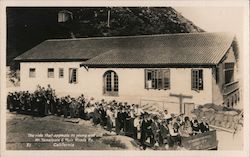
(150, 130)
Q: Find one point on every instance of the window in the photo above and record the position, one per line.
(32, 73)
(157, 78)
(72, 75)
(111, 83)
(61, 74)
(229, 72)
(197, 79)
(50, 72)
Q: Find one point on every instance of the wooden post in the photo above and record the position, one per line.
(181, 97)
(108, 23)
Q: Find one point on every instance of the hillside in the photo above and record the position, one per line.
(28, 27)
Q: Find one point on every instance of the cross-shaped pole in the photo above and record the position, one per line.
(181, 97)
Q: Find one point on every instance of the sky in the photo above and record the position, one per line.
(216, 19)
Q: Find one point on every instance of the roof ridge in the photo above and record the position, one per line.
(138, 36)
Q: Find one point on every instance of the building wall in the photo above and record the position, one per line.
(60, 84)
(218, 87)
(131, 84)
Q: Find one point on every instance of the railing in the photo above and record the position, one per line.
(230, 88)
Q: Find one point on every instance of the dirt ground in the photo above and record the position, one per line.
(19, 126)
(230, 141)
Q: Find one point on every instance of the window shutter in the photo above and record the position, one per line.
(76, 75)
(146, 78)
(192, 79)
(200, 83)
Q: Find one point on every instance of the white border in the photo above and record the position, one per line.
(78, 3)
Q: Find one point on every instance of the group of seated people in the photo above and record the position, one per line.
(121, 118)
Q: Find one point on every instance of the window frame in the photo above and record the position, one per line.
(48, 73)
(61, 71)
(230, 69)
(34, 73)
(199, 73)
(74, 79)
(113, 83)
(158, 79)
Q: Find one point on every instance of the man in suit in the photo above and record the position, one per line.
(155, 127)
(118, 124)
(143, 131)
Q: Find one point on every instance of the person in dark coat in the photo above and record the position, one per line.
(123, 119)
(65, 107)
(81, 110)
(204, 127)
(118, 119)
(155, 127)
(127, 119)
(103, 115)
(195, 127)
(15, 102)
(146, 131)
(118, 124)
(164, 133)
(9, 101)
(143, 131)
(97, 115)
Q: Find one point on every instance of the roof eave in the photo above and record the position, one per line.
(50, 60)
(176, 65)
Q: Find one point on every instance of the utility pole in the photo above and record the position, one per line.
(181, 97)
(108, 22)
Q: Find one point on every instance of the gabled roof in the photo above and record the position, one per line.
(165, 49)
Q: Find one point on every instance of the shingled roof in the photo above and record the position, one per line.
(145, 50)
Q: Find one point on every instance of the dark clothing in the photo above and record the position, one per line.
(146, 132)
(164, 134)
(96, 116)
(155, 127)
(204, 127)
(123, 117)
(103, 117)
(118, 122)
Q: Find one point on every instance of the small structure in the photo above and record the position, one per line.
(134, 68)
(65, 16)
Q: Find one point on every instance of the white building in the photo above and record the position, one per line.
(139, 69)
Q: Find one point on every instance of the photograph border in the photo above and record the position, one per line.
(78, 3)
